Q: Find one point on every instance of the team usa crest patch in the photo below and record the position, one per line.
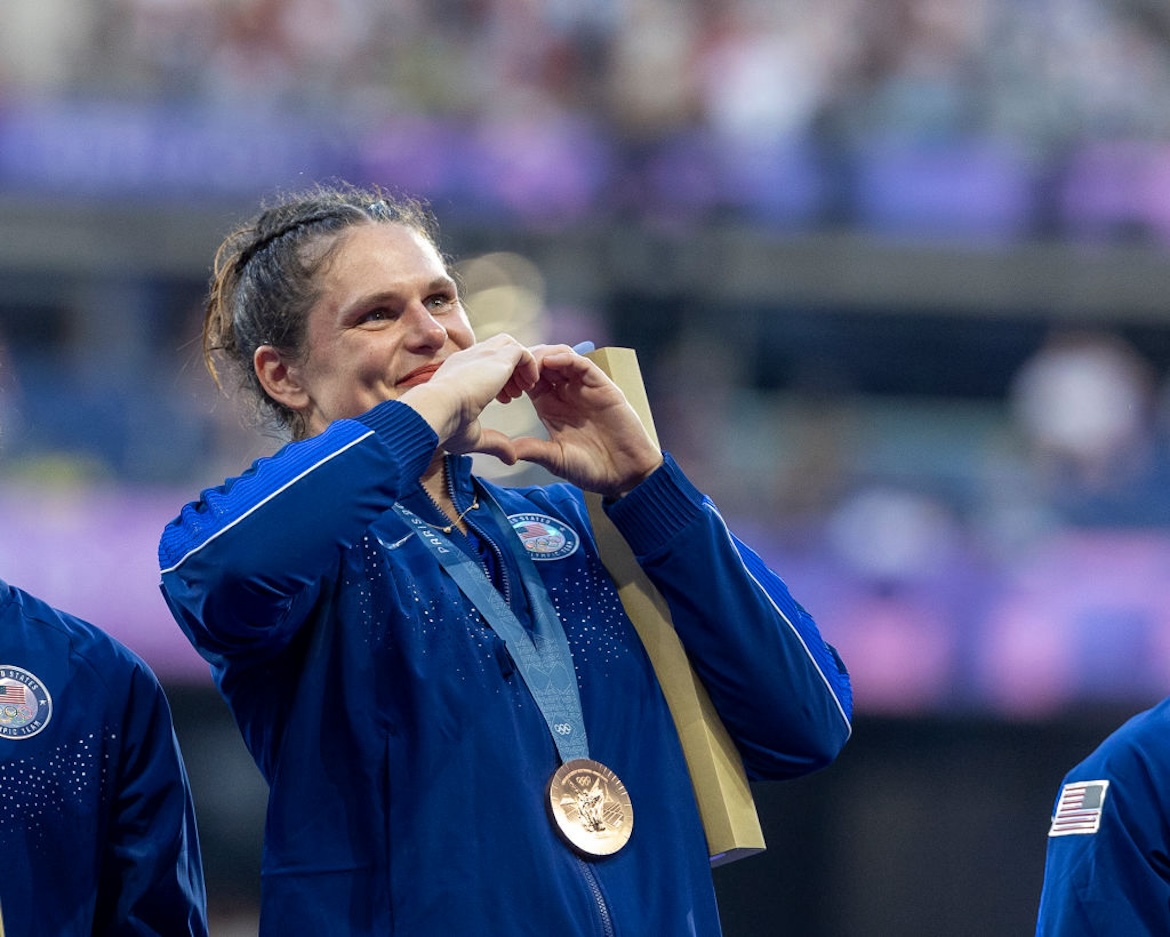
(544, 537)
(25, 704)
(1078, 809)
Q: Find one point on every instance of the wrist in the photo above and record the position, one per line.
(635, 480)
(435, 408)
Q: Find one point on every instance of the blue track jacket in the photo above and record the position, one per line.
(97, 826)
(1107, 871)
(406, 759)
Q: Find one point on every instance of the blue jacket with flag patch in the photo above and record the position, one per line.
(96, 819)
(408, 764)
(1107, 870)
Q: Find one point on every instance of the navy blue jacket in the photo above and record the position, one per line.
(1107, 870)
(97, 826)
(406, 759)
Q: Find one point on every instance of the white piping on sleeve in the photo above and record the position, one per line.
(259, 504)
(787, 620)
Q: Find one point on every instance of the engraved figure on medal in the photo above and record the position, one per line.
(590, 807)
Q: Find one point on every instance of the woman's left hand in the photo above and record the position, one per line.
(596, 440)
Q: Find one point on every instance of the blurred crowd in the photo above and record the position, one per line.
(1009, 553)
(1040, 71)
(994, 116)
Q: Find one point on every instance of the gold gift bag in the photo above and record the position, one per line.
(721, 787)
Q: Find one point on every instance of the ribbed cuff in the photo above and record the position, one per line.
(657, 509)
(401, 428)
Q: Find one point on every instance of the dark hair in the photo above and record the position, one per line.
(262, 283)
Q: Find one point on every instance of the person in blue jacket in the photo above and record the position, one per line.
(97, 823)
(460, 729)
(1107, 868)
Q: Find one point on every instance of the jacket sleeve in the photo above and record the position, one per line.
(1109, 875)
(780, 689)
(244, 564)
(152, 871)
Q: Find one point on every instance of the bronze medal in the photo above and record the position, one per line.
(590, 807)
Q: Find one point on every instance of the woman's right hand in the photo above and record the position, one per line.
(499, 368)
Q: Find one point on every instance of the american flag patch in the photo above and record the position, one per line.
(1079, 808)
(12, 693)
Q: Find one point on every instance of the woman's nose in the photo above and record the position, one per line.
(424, 327)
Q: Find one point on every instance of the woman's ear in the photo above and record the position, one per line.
(279, 379)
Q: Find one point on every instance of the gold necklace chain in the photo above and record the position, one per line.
(450, 527)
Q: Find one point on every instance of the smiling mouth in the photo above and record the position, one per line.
(419, 375)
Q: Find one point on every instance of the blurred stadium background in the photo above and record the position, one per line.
(897, 273)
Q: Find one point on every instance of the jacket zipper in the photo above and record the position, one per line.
(598, 898)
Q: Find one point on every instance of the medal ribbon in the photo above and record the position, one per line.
(542, 656)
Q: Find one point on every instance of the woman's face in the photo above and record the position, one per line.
(387, 316)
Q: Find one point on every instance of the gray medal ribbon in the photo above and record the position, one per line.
(542, 657)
